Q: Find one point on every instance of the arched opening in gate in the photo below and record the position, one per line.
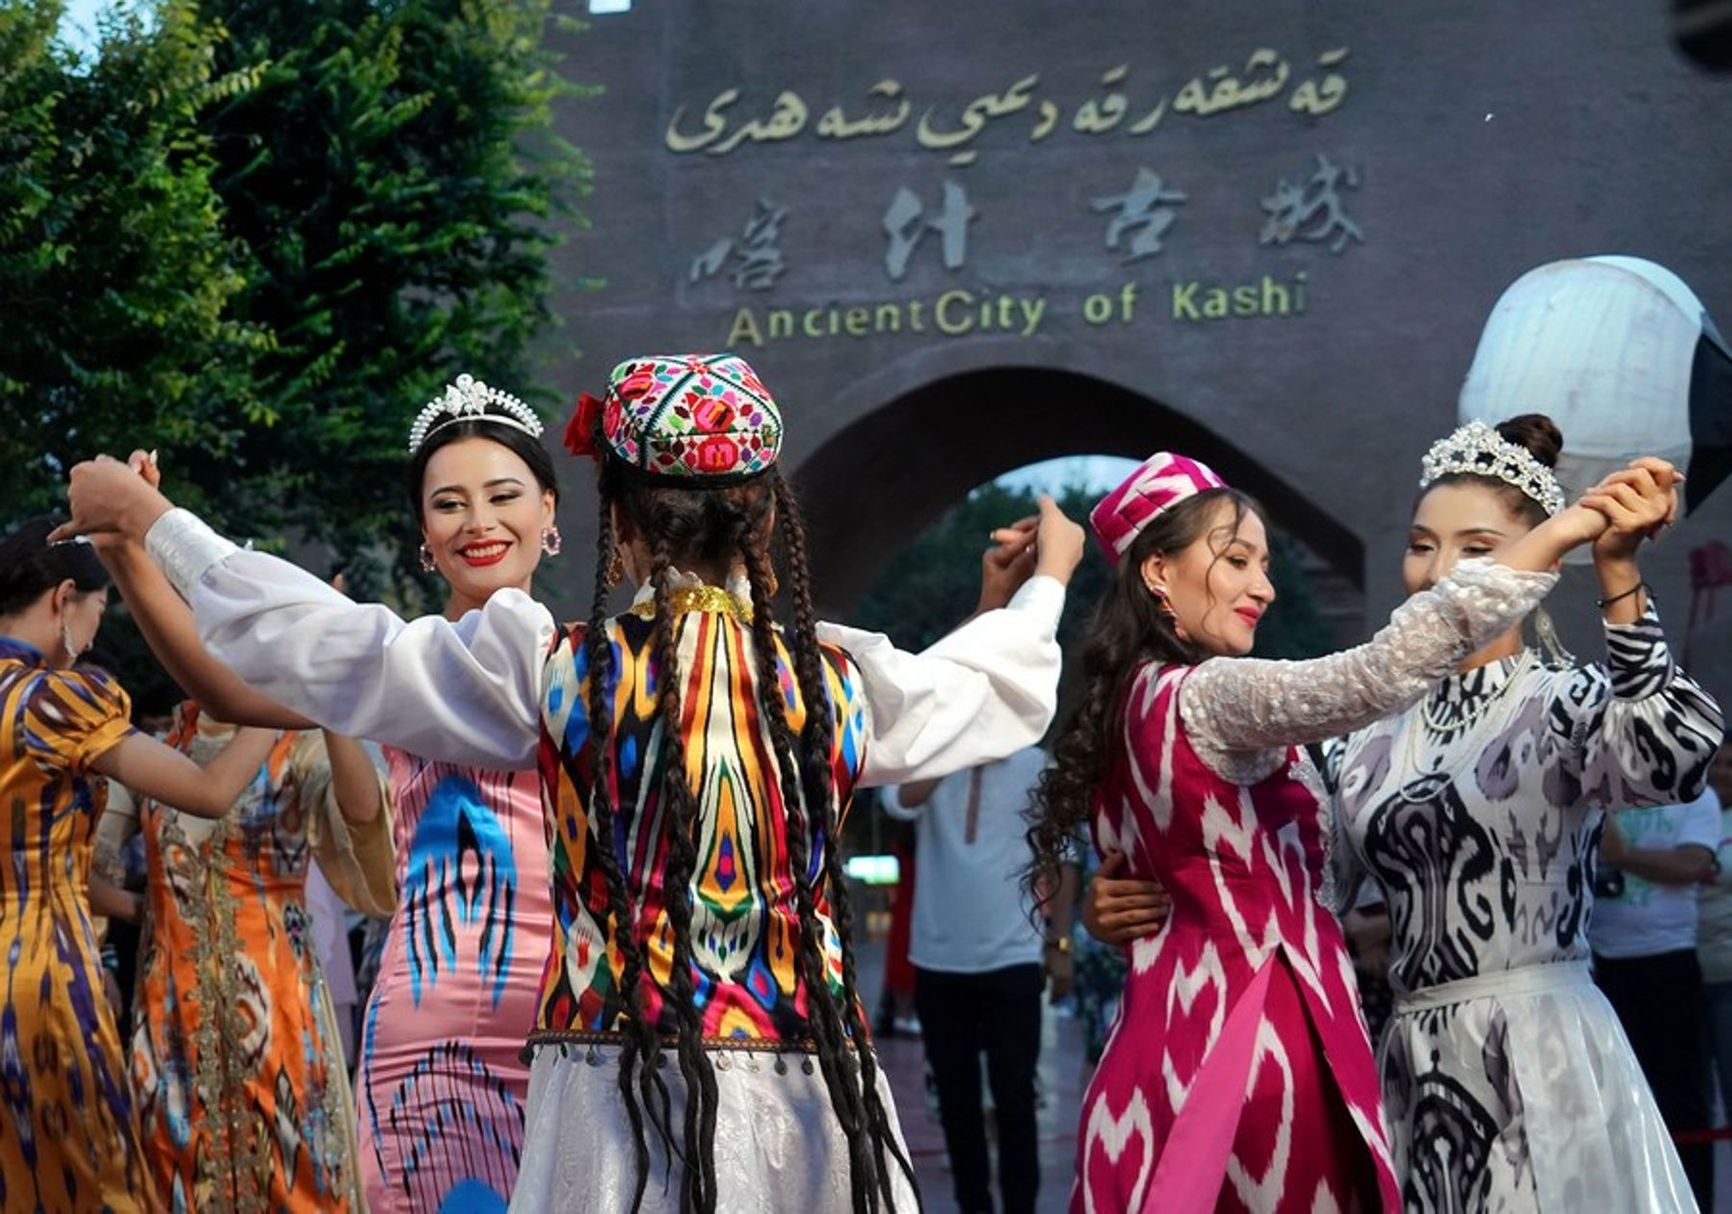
(877, 483)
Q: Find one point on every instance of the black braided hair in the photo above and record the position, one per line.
(641, 1085)
(711, 531)
(679, 806)
(828, 1030)
(823, 812)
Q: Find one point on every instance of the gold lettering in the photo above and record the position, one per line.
(1275, 301)
(781, 323)
(1185, 301)
(745, 328)
(813, 322)
(857, 320)
(889, 319)
(714, 124)
(1032, 310)
(942, 315)
(1214, 303)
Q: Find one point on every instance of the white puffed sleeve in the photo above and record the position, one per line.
(987, 690)
(465, 691)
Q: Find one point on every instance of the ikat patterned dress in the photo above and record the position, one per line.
(1238, 1075)
(745, 926)
(236, 1056)
(69, 1133)
(1507, 1079)
(443, 1085)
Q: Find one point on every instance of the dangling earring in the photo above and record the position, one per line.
(427, 565)
(72, 651)
(1547, 634)
(615, 567)
(1166, 608)
(550, 541)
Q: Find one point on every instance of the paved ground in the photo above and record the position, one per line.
(1061, 1070)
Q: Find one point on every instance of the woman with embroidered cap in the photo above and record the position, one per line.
(69, 1132)
(1238, 1075)
(699, 1040)
(441, 1084)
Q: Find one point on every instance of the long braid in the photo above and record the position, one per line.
(828, 1030)
(679, 813)
(817, 740)
(640, 1083)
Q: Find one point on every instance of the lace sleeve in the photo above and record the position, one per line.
(1250, 705)
(1641, 730)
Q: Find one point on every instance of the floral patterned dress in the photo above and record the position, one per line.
(236, 1056)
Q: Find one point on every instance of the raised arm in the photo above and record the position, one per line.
(349, 823)
(466, 692)
(148, 767)
(1641, 730)
(1246, 704)
(172, 634)
(988, 689)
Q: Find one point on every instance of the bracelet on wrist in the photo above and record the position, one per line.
(1618, 598)
(1061, 943)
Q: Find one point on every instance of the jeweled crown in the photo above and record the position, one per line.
(471, 400)
(1478, 450)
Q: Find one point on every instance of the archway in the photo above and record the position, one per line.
(875, 484)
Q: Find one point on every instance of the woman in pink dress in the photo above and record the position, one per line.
(1238, 1075)
(442, 1086)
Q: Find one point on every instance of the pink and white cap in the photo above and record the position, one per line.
(1160, 482)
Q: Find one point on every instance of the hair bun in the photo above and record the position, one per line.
(1537, 433)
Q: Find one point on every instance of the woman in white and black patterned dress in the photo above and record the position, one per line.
(1507, 1080)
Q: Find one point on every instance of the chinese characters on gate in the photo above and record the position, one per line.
(1138, 220)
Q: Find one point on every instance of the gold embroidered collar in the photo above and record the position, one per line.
(699, 597)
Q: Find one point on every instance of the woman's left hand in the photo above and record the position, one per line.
(1638, 501)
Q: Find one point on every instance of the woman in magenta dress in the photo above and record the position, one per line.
(1238, 1075)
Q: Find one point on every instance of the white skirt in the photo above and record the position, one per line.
(778, 1144)
(1519, 1092)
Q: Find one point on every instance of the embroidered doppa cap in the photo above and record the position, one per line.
(690, 417)
(1159, 483)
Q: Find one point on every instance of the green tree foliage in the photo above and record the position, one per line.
(116, 275)
(389, 180)
(259, 235)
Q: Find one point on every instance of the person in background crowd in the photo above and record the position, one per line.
(1652, 863)
(896, 1001)
(1714, 947)
(979, 975)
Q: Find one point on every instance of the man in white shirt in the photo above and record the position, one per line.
(978, 960)
(1643, 929)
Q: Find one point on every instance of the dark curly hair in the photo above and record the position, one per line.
(1128, 630)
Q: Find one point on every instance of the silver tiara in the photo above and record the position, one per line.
(469, 400)
(1477, 450)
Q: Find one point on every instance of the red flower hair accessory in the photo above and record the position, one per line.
(581, 430)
